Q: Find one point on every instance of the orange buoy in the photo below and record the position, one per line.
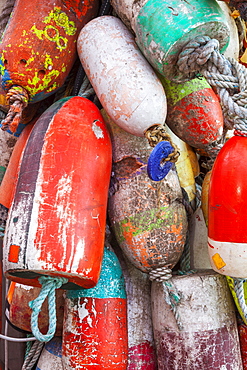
(57, 219)
(95, 322)
(148, 218)
(227, 210)
(37, 56)
(18, 297)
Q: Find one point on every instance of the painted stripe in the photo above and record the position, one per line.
(18, 226)
(111, 282)
(228, 258)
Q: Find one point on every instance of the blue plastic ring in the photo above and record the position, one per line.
(157, 168)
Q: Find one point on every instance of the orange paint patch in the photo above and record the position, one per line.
(14, 253)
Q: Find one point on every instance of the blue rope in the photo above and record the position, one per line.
(239, 290)
(49, 285)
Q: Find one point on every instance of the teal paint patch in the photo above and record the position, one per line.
(163, 28)
(111, 282)
(2, 172)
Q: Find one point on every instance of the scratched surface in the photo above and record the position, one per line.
(148, 218)
(208, 339)
(194, 113)
(95, 322)
(40, 55)
(61, 195)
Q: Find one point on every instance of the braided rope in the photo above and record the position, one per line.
(49, 285)
(164, 275)
(239, 290)
(33, 355)
(155, 135)
(17, 98)
(86, 88)
(229, 78)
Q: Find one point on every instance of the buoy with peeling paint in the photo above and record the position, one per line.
(57, 219)
(123, 80)
(208, 336)
(242, 330)
(141, 348)
(194, 113)
(51, 355)
(148, 218)
(163, 29)
(36, 58)
(227, 211)
(18, 297)
(184, 166)
(95, 322)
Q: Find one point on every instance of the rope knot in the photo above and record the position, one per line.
(17, 98)
(196, 54)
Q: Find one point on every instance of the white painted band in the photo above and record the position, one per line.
(228, 258)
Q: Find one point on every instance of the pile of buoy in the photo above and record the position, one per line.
(123, 174)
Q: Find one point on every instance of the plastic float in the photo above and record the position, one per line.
(18, 298)
(51, 355)
(194, 113)
(162, 29)
(148, 218)
(184, 167)
(207, 337)
(37, 56)
(227, 233)
(95, 322)
(61, 198)
(123, 80)
(141, 349)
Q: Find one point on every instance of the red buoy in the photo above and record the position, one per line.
(95, 322)
(57, 220)
(227, 213)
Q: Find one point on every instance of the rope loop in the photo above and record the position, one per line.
(226, 75)
(17, 98)
(49, 285)
(156, 134)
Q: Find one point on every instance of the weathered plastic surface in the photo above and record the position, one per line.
(148, 218)
(95, 322)
(20, 313)
(194, 113)
(123, 80)
(39, 53)
(162, 29)
(51, 355)
(227, 212)
(141, 350)
(209, 335)
(57, 220)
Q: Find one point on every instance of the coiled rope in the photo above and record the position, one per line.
(33, 355)
(226, 75)
(49, 285)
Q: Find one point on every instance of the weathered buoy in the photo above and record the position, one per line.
(18, 297)
(208, 338)
(95, 322)
(227, 211)
(57, 220)
(232, 50)
(141, 349)
(37, 57)
(205, 194)
(162, 29)
(123, 80)
(242, 330)
(194, 113)
(148, 219)
(8, 184)
(51, 355)
(184, 167)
